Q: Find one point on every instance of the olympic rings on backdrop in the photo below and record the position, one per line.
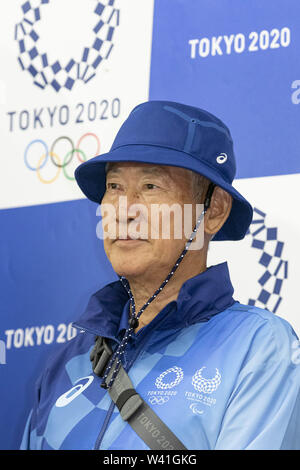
(26, 150)
(91, 134)
(59, 163)
(66, 157)
(63, 137)
(42, 180)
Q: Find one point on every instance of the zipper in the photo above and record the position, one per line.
(104, 426)
(112, 405)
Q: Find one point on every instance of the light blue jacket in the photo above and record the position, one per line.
(221, 375)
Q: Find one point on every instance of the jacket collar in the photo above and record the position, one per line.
(199, 298)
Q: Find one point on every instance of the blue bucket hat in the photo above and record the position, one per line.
(170, 133)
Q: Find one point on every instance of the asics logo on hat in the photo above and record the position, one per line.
(221, 158)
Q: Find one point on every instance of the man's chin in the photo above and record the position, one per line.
(130, 271)
(129, 258)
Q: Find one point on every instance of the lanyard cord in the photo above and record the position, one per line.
(133, 321)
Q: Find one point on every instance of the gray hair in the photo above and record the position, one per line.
(199, 185)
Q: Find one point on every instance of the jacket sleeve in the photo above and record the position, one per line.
(31, 440)
(263, 411)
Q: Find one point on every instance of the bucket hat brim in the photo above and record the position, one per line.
(91, 178)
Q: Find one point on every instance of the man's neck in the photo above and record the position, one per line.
(143, 287)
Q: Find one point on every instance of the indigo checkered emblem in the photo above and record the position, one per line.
(201, 384)
(167, 385)
(54, 73)
(275, 267)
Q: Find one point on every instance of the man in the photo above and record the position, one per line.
(217, 374)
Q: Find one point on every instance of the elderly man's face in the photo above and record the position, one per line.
(148, 185)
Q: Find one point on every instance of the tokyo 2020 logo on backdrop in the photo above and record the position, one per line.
(274, 267)
(53, 73)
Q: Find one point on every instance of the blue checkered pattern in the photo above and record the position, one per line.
(265, 239)
(53, 73)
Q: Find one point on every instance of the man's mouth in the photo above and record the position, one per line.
(129, 240)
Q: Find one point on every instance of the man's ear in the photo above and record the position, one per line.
(218, 212)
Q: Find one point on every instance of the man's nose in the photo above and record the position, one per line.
(133, 196)
(130, 198)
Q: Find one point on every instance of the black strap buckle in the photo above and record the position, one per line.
(100, 355)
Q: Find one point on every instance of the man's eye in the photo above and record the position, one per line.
(112, 186)
(151, 186)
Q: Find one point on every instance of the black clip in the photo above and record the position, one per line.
(100, 355)
(208, 196)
